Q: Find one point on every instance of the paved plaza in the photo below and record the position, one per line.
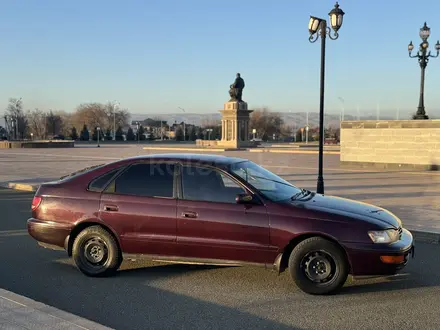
(413, 196)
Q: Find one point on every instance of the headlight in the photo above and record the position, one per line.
(384, 236)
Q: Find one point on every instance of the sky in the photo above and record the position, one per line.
(154, 56)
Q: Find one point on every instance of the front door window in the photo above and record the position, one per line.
(208, 185)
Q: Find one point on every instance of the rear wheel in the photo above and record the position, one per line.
(96, 252)
(318, 266)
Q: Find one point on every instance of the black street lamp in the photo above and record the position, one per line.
(423, 56)
(98, 131)
(318, 28)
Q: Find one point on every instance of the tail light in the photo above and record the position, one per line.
(36, 202)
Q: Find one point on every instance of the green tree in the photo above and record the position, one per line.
(95, 134)
(130, 135)
(298, 135)
(53, 123)
(151, 136)
(85, 136)
(216, 132)
(108, 135)
(192, 134)
(179, 134)
(141, 133)
(119, 134)
(74, 134)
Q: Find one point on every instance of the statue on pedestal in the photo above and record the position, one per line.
(236, 89)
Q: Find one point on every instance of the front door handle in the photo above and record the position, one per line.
(188, 214)
(111, 208)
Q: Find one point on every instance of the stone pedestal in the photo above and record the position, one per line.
(235, 125)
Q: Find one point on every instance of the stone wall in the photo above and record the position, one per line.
(394, 143)
(36, 144)
(206, 143)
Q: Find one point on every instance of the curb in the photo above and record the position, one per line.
(195, 149)
(425, 237)
(186, 149)
(284, 151)
(22, 186)
(25, 306)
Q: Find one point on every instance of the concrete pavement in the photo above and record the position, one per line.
(18, 312)
(154, 295)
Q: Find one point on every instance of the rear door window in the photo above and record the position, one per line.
(101, 182)
(146, 180)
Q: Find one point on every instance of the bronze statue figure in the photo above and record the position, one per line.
(236, 89)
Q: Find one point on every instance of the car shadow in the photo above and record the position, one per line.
(158, 271)
(140, 303)
(147, 269)
(151, 268)
(384, 284)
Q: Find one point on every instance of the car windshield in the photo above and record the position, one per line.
(270, 185)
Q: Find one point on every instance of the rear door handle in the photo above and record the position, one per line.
(111, 208)
(189, 214)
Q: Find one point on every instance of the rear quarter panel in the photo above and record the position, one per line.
(69, 200)
(67, 203)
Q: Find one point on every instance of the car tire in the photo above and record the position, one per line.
(96, 252)
(318, 266)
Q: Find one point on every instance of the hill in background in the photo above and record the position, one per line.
(297, 119)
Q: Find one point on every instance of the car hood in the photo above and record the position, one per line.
(348, 208)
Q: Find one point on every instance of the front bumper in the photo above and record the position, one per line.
(48, 233)
(381, 259)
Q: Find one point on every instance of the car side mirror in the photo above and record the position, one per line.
(244, 199)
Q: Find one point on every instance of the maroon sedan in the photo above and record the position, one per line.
(216, 210)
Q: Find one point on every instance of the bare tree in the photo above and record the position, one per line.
(116, 116)
(37, 123)
(266, 122)
(91, 114)
(97, 114)
(17, 118)
(66, 122)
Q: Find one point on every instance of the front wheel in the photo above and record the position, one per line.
(318, 266)
(96, 252)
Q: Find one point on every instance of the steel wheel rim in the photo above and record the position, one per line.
(319, 267)
(95, 252)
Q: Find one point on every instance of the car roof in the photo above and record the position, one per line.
(218, 160)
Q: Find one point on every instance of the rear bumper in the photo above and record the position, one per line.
(366, 259)
(49, 234)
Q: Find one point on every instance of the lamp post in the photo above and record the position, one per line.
(318, 28)
(423, 56)
(184, 128)
(98, 129)
(342, 108)
(115, 104)
(16, 129)
(209, 130)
